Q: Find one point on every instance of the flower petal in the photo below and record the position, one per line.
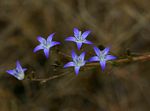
(82, 56)
(97, 51)
(87, 42)
(18, 67)
(79, 45)
(54, 43)
(70, 39)
(69, 64)
(106, 50)
(11, 72)
(76, 32)
(94, 58)
(74, 55)
(103, 64)
(46, 52)
(24, 69)
(85, 34)
(76, 70)
(50, 37)
(84, 62)
(110, 57)
(41, 39)
(39, 47)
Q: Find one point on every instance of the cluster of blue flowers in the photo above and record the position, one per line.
(77, 61)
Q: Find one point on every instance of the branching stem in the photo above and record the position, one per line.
(130, 59)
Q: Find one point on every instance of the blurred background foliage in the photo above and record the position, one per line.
(121, 24)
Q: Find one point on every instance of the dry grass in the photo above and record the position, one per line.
(120, 24)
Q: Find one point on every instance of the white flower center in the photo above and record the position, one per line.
(78, 61)
(46, 45)
(79, 38)
(102, 57)
(19, 74)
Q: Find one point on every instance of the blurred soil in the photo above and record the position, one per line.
(121, 24)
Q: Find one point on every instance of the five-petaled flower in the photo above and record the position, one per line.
(79, 38)
(102, 56)
(78, 61)
(46, 44)
(18, 72)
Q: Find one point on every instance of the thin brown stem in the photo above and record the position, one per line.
(44, 80)
(145, 57)
(129, 59)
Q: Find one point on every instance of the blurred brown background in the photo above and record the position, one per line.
(120, 24)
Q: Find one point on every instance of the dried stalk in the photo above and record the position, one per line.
(129, 59)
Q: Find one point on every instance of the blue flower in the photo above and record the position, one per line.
(102, 57)
(46, 44)
(78, 61)
(18, 72)
(79, 38)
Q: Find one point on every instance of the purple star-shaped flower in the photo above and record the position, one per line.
(18, 72)
(102, 57)
(78, 61)
(46, 44)
(79, 38)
